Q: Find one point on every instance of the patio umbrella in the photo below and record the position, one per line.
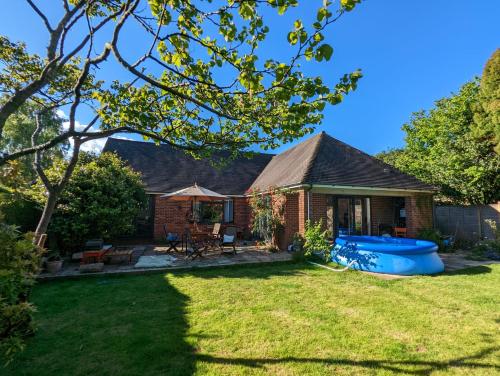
(194, 193)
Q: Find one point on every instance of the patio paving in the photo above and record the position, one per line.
(249, 254)
(244, 255)
(458, 260)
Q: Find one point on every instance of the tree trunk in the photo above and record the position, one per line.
(54, 191)
(48, 210)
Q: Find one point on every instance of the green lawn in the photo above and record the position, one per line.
(281, 319)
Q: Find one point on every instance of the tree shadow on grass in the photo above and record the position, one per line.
(414, 367)
(471, 270)
(121, 325)
(131, 325)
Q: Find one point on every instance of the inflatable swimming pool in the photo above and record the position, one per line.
(381, 254)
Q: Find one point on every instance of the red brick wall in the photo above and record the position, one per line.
(174, 213)
(302, 210)
(419, 213)
(382, 212)
(296, 214)
(318, 208)
(291, 216)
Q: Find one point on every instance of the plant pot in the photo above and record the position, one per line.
(54, 266)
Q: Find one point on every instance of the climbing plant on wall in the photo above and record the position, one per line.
(268, 214)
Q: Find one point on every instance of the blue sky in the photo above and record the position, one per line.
(411, 53)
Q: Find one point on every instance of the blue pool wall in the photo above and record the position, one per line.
(401, 256)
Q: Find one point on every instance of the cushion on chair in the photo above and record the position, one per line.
(228, 239)
(171, 236)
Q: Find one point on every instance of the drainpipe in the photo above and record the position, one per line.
(309, 202)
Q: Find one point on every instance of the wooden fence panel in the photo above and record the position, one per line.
(467, 222)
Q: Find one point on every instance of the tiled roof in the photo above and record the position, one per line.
(325, 160)
(166, 169)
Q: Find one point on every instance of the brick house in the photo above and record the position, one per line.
(351, 191)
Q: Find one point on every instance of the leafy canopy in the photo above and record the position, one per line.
(443, 148)
(201, 80)
(487, 113)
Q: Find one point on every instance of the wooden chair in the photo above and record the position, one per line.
(230, 231)
(194, 247)
(216, 231)
(400, 232)
(172, 239)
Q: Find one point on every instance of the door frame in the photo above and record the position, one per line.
(365, 212)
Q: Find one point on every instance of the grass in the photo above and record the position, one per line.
(279, 319)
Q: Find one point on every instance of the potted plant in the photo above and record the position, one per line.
(54, 262)
(297, 242)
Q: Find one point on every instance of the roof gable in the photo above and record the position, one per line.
(288, 168)
(324, 160)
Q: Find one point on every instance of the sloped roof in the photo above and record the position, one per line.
(166, 169)
(325, 160)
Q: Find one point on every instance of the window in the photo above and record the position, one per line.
(214, 211)
(228, 211)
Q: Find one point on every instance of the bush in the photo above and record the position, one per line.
(19, 264)
(316, 240)
(101, 200)
(485, 249)
(21, 212)
(433, 236)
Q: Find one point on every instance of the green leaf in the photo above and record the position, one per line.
(292, 37)
(326, 51)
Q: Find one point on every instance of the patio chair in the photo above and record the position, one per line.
(400, 232)
(172, 239)
(216, 231)
(194, 247)
(228, 239)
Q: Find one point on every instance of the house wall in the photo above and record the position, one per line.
(319, 208)
(291, 216)
(296, 214)
(419, 213)
(174, 214)
(382, 212)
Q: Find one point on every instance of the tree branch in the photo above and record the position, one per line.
(42, 16)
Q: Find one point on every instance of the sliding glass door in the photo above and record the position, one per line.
(350, 215)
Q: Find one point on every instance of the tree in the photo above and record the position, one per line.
(102, 199)
(442, 149)
(200, 83)
(18, 131)
(487, 112)
(18, 175)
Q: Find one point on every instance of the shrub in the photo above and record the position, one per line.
(433, 236)
(101, 200)
(298, 242)
(19, 263)
(316, 240)
(485, 249)
(494, 228)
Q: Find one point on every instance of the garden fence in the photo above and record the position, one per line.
(467, 222)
